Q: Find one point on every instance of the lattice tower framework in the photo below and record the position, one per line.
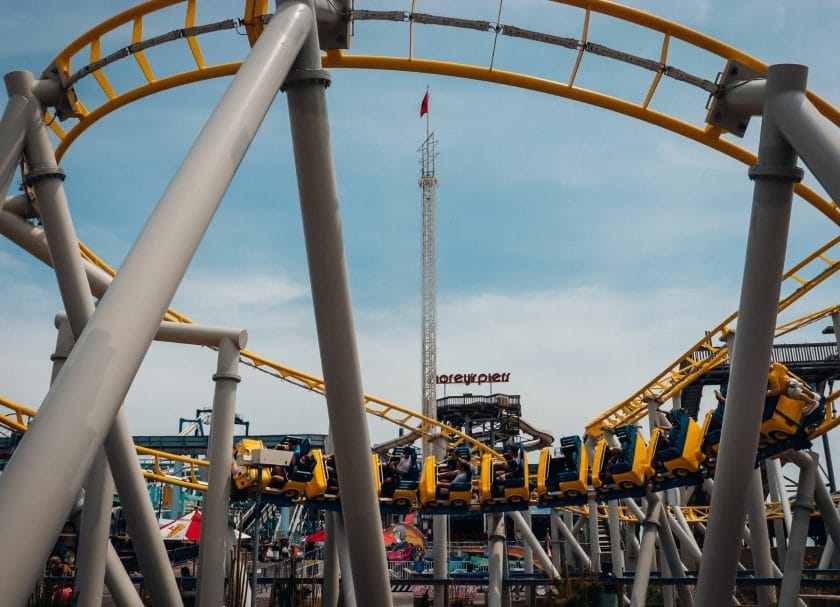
(428, 194)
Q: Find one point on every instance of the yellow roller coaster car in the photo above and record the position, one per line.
(675, 453)
(561, 480)
(397, 490)
(437, 495)
(246, 476)
(323, 488)
(620, 471)
(507, 490)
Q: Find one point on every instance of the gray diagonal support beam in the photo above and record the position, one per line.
(644, 562)
(802, 509)
(775, 175)
(533, 543)
(305, 90)
(13, 128)
(96, 377)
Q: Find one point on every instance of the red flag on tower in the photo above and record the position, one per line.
(424, 105)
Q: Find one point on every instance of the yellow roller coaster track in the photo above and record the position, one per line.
(22, 416)
(255, 12)
(154, 82)
(706, 355)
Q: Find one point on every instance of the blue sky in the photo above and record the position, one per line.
(579, 250)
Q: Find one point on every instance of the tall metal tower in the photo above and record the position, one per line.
(428, 190)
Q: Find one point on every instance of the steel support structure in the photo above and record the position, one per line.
(650, 529)
(777, 494)
(672, 556)
(330, 594)
(212, 551)
(616, 553)
(760, 540)
(305, 90)
(594, 538)
(533, 546)
(348, 589)
(775, 175)
(573, 545)
(46, 180)
(802, 509)
(495, 558)
(108, 353)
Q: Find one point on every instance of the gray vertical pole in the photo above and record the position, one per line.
(214, 516)
(46, 180)
(615, 540)
(650, 527)
(529, 539)
(774, 175)
(568, 523)
(330, 594)
(776, 494)
(93, 534)
(776, 480)
(440, 535)
(554, 516)
(831, 519)
(594, 538)
(672, 556)
(305, 89)
(495, 559)
(107, 355)
(665, 571)
(348, 589)
(119, 584)
(802, 509)
(760, 540)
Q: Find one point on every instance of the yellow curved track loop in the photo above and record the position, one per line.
(253, 10)
(708, 136)
(23, 416)
(708, 353)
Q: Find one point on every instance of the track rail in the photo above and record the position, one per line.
(706, 354)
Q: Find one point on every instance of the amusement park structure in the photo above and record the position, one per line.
(767, 412)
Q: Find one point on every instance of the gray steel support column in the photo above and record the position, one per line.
(760, 540)
(831, 519)
(594, 538)
(98, 373)
(574, 545)
(650, 528)
(119, 584)
(827, 554)
(774, 469)
(554, 516)
(139, 514)
(214, 512)
(617, 553)
(665, 571)
(13, 127)
(495, 559)
(115, 575)
(94, 534)
(774, 175)
(802, 509)
(75, 293)
(348, 589)
(669, 547)
(532, 545)
(330, 594)
(440, 535)
(305, 89)
(687, 541)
